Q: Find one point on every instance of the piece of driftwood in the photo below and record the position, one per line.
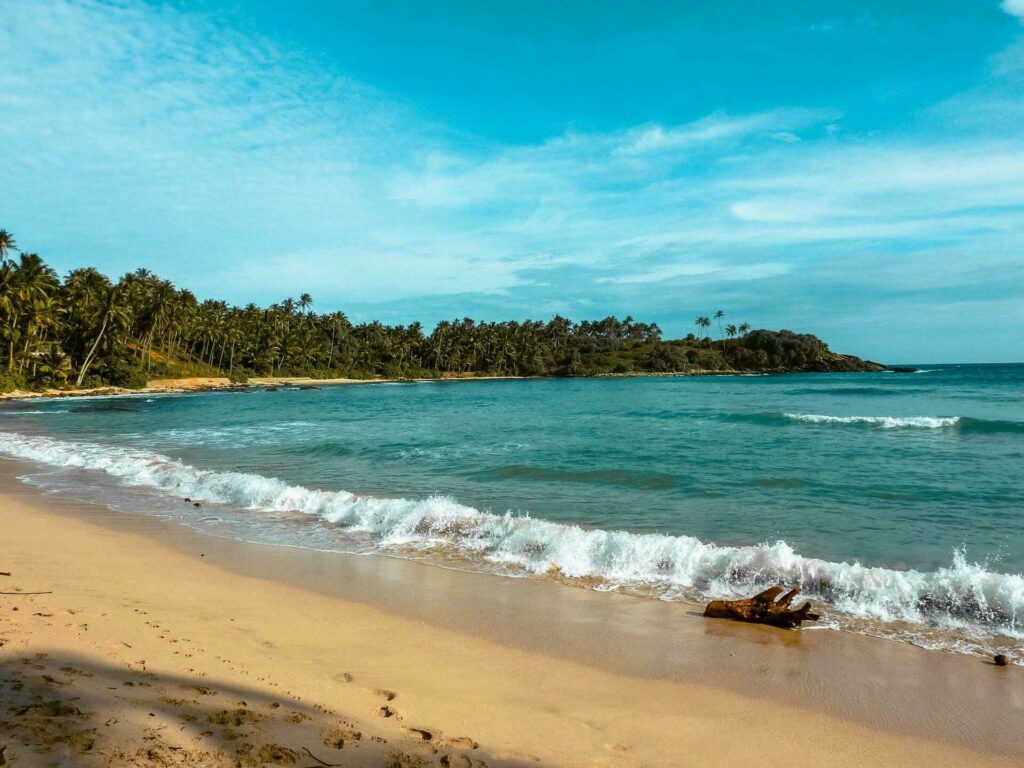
(763, 609)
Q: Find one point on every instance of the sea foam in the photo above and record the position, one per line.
(886, 422)
(963, 596)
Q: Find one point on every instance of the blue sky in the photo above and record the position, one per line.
(855, 170)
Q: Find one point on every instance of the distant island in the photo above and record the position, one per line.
(87, 332)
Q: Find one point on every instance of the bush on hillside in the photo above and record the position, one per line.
(121, 373)
(11, 381)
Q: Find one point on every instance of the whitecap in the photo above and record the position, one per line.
(885, 422)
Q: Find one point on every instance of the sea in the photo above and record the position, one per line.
(895, 501)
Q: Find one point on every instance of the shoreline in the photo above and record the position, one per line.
(657, 679)
(224, 384)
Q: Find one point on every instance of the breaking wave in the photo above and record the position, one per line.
(963, 596)
(961, 424)
(886, 422)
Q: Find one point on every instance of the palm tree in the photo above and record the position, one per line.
(6, 243)
(54, 363)
(86, 324)
(112, 312)
(9, 304)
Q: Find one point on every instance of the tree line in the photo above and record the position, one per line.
(87, 331)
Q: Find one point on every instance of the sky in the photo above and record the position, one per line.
(849, 169)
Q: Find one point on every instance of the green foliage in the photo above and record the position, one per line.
(665, 358)
(119, 373)
(9, 382)
(89, 331)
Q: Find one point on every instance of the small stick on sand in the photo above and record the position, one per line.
(323, 763)
(27, 593)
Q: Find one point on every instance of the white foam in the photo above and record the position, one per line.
(32, 413)
(885, 422)
(962, 596)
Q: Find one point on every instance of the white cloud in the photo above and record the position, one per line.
(699, 272)
(779, 124)
(1014, 8)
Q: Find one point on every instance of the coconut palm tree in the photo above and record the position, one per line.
(6, 243)
(98, 326)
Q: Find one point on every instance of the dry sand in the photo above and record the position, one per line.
(155, 645)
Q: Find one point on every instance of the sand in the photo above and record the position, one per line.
(206, 383)
(156, 645)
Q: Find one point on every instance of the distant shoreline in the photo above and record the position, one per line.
(223, 384)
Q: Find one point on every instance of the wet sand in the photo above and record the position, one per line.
(156, 645)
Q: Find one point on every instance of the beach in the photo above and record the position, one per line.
(156, 645)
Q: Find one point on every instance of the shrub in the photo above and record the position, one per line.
(665, 358)
(119, 373)
(11, 381)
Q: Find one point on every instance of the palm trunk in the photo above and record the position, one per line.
(92, 353)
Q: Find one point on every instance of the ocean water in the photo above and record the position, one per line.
(893, 500)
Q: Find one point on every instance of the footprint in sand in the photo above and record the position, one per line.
(387, 711)
(388, 695)
(337, 737)
(461, 742)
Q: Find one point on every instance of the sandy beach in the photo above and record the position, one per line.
(208, 383)
(154, 645)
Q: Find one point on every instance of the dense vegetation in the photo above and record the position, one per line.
(88, 331)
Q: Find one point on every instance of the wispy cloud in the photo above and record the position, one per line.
(134, 133)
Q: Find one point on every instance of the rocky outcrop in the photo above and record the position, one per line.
(764, 350)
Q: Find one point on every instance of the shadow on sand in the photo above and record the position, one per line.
(68, 711)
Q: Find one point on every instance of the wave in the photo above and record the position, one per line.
(857, 391)
(19, 412)
(963, 595)
(885, 422)
(963, 424)
(642, 480)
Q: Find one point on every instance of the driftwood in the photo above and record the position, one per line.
(763, 609)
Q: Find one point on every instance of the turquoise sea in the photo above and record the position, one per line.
(893, 500)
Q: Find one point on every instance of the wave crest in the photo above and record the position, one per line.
(963, 595)
(885, 422)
